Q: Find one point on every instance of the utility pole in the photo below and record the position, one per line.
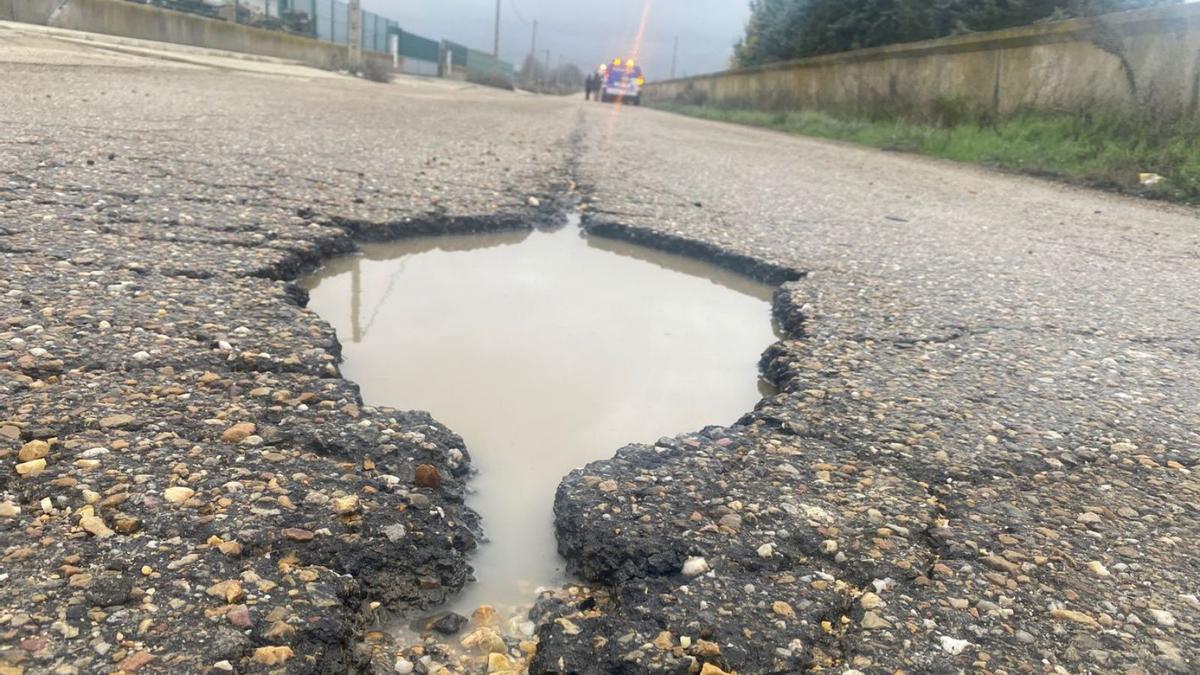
(674, 57)
(533, 45)
(355, 35)
(496, 49)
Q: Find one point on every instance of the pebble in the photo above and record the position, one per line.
(953, 646)
(178, 495)
(427, 476)
(32, 468)
(693, 567)
(33, 450)
(1163, 617)
(95, 526)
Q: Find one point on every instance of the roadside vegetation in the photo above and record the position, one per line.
(1107, 152)
(781, 30)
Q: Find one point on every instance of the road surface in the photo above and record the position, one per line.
(982, 454)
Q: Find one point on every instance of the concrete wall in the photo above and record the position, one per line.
(128, 19)
(1147, 59)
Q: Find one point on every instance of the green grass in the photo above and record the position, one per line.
(1104, 152)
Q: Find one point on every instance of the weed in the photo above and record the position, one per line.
(1099, 150)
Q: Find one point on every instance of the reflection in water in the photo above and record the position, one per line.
(543, 356)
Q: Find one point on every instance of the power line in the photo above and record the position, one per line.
(512, 4)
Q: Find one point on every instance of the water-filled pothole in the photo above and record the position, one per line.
(544, 351)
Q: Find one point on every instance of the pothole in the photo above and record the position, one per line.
(544, 350)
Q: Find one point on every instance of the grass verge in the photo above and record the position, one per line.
(1097, 151)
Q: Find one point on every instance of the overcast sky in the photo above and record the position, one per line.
(585, 32)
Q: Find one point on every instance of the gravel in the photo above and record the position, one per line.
(981, 453)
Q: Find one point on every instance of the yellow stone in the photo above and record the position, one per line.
(273, 656)
(1072, 615)
(498, 663)
(178, 495)
(345, 505)
(238, 432)
(95, 526)
(783, 609)
(33, 450)
(485, 615)
(31, 468)
(710, 669)
(230, 590)
(664, 640)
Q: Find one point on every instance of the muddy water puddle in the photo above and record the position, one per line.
(544, 351)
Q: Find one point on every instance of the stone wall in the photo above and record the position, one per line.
(1141, 60)
(133, 20)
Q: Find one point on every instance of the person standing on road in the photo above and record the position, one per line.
(589, 86)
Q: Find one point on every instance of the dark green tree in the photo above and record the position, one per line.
(779, 30)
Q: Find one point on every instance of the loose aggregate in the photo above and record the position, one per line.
(981, 457)
(983, 453)
(189, 485)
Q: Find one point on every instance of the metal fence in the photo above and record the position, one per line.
(329, 20)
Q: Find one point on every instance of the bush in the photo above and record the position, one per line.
(376, 70)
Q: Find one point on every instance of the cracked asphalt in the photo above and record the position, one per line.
(981, 457)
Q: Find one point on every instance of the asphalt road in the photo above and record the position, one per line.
(982, 456)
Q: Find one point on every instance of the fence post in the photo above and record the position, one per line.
(354, 34)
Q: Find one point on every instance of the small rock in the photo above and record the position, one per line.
(607, 486)
(238, 432)
(394, 532)
(33, 450)
(404, 666)
(9, 510)
(783, 609)
(116, 421)
(710, 669)
(446, 623)
(874, 621)
(95, 526)
(485, 615)
(427, 476)
(1072, 615)
(1163, 617)
(953, 646)
(870, 601)
(766, 551)
(485, 640)
(345, 505)
(239, 615)
(694, 567)
(298, 534)
(499, 663)
(134, 662)
(1098, 568)
(229, 590)
(31, 468)
(273, 656)
(178, 495)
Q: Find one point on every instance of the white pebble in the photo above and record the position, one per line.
(953, 646)
(766, 551)
(694, 567)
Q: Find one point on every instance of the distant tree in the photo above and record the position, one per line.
(779, 30)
